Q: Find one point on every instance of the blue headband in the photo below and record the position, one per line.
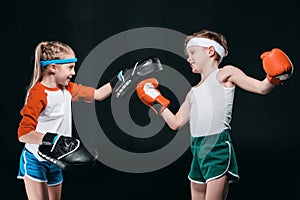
(57, 61)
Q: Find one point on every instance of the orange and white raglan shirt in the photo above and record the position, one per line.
(49, 110)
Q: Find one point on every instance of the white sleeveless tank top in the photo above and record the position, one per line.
(210, 107)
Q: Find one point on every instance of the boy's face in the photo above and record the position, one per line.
(197, 56)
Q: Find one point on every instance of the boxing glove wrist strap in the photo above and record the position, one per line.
(49, 138)
(274, 81)
(119, 77)
(113, 81)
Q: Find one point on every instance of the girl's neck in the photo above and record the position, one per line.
(49, 81)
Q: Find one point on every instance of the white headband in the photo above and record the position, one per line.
(205, 42)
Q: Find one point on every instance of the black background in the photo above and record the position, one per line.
(264, 128)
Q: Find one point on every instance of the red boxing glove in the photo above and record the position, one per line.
(277, 65)
(148, 94)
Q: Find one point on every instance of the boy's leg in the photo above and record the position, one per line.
(217, 189)
(198, 191)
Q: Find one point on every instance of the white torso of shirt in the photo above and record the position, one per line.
(210, 107)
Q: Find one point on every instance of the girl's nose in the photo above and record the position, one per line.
(73, 72)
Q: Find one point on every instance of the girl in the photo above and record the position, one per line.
(47, 114)
(208, 109)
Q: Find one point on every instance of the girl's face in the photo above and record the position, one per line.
(64, 72)
(197, 56)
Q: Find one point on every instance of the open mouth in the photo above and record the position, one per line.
(69, 78)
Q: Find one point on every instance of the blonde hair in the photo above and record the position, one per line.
(46, 50)
(218, 37)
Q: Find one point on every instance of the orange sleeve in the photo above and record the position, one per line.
(81, 93)
(36, 102)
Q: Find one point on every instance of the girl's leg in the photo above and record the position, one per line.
(198, 191)
(36, 190)
(217, 189)
(55, 192)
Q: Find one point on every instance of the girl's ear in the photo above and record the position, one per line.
(52, 68)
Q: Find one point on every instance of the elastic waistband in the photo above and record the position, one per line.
(211, 139)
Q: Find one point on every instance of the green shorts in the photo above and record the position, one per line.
(213, 157)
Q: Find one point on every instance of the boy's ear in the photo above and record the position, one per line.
(211, 51)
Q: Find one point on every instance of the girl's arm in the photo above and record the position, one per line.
(106, 90)
(33, 137)
(103, 92)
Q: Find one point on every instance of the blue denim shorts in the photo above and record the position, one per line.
(40, 171)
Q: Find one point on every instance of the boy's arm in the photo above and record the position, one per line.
(237, 77)
(277, 66)
(180, 119)
(149, 94)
